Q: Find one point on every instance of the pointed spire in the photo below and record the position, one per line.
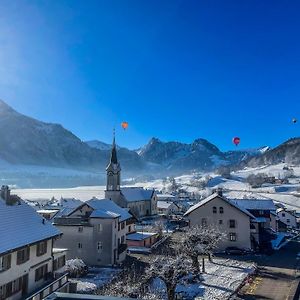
(113, 158)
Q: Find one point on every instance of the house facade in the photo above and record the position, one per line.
(28, 262)
(288, 217)
(141, 202)
(167, 208)
(219, 212)
(96, 232)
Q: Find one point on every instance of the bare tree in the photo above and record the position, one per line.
(201, 240)
(171, 270)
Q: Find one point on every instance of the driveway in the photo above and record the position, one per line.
(277, 275)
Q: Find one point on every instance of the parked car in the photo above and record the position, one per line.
(235, 251)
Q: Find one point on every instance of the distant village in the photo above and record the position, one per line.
(44, 244)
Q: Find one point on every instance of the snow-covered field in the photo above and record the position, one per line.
(286, 193)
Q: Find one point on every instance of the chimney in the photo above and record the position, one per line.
(219, 191)
(5, 194)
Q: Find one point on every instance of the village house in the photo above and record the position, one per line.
(220, 212)
(288, 217)
(167, 208)
(30, 268)
(96, 232)
(141, 202)
(264, 225)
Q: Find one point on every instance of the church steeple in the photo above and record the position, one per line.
(113, 169)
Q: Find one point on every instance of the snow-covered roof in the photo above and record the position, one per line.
(47, 211)
(133, 194)
(21, 225)
(250, 201)
(260, 220)
(216, 195)
(164, 204)
(139, 236)
(105, 208)
(253, 204)
(165, 196)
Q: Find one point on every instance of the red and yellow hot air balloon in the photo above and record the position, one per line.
(236, 140)
(124, 125)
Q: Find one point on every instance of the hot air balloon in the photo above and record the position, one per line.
(294, 120)
(236, 140)
(124, 125)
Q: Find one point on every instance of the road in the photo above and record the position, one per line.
(277, 275)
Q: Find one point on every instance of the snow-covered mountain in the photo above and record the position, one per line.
(287, 152)
(27, 141)
(175, 156)
(98, 145)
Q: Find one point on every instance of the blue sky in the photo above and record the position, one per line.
(176, 70)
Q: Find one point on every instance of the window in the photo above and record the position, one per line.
(11, 288)
(288, 220)
(5, 262)
(232, 236)
(59, 263)
(79, 245)
(220, 222)
(214, 210)
(41, 248)
(99, 246)
(41, 272)
(204, 222)
(283, 214)
(123, 239)
(261, 212)
(23, 255)
(80, 229)
(221, 210)
(99, 227)
(122, 225)
(232, 224)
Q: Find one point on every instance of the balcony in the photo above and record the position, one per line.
(50, 287)
(122, 248)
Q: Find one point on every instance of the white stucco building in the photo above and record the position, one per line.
(28, 261)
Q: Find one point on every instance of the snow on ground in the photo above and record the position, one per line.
(221, 280)
(82, 193)
(223, 277)
(96, 278)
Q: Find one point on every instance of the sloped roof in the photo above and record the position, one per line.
(133, 194)
(249, 200)
(254, 204)
(140, 236)
(216, 195)
(104, 208)
(65, 205)
(165, 196)
(165, 204)
(21, 225)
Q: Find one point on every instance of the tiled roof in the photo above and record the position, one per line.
(21, 225)
(133, 194)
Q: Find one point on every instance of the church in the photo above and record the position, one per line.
(140, 202)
